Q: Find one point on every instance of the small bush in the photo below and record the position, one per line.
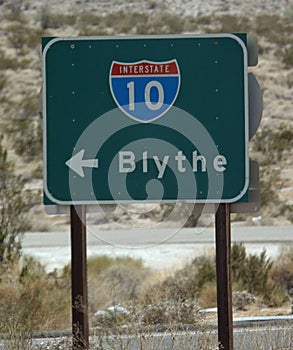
(241, 299)
(191, 24)
(98, 264)
(170, 312)
(182, 212)
(165, 24)
(290, 80)
(15, 17)
(276, 29)
(15, 6)
(282, 271)
(56, 20)
(93, 20)
(14, 205)
(208, 296)
(265, 24)
(3, 81)
(205, 20)
(115, 281)
(127, 23)
(16, 35)
(133, 23)
(186, 284)
(272, 146)
(233, 24)
(20, 37)
(25, 130)
(273, 143)
(27, 138)
(268, 193)
(252, 273)
(288, 57)
(122, 283)
(287, 211)
(93, 31)
(288, 13)
(31, 300)
(206, 274)
(7, 63)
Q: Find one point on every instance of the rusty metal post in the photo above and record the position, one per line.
(80, 325)
(224, 283)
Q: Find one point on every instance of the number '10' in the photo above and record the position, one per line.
(147, 95)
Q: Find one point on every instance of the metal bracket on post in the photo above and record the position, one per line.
(224, 285)
(80, 327)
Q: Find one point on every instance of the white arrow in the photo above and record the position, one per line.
(77, 163)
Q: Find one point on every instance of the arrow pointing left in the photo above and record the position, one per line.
(77, 163)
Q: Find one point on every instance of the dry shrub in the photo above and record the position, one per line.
(233, 24)
(33, 299)
(252, 273)
(115, 281)
(208, 296)
(98, 264)
(3, 81)
(186, 283)
(241, 299)
(170, 312)
(122, 283)
(197, 280)
(282, 272)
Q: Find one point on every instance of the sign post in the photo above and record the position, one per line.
(80, 327)
(224, 283)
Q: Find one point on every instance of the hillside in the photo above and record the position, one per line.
(197, 8)
(24, 22)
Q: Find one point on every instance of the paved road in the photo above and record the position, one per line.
(160, 249)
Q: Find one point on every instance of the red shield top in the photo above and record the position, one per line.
(144, 68)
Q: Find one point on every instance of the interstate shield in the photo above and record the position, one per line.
(144, 90)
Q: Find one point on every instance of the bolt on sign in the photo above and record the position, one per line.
(145, 118)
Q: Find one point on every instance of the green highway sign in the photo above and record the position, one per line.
(145, 118)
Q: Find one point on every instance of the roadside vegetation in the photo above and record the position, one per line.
(273, 146)
(124, 292)
(14, 206)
